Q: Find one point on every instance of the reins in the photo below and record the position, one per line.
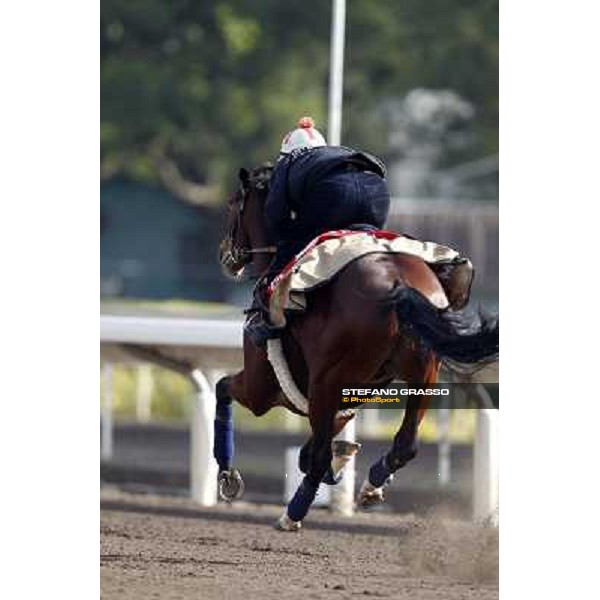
(261, 250)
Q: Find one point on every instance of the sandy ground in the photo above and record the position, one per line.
(168, 548)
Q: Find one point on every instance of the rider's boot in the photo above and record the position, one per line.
(258, 325)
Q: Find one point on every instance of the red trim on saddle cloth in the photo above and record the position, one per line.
(328, 235)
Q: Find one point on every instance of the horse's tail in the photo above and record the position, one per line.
(464, 336)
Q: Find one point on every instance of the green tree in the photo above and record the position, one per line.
(193, 90)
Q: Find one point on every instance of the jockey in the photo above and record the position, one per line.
(317, 188)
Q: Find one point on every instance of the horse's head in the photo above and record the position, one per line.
(246, 236)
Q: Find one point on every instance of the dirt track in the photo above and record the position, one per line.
(168, 548)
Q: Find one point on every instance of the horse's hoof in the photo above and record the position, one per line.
(284, 523)
(231, 485)
(370, 496)
(369, 499)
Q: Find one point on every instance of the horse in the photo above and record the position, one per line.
(383, 317)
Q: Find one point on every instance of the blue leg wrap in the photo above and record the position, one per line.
(379, 472)
(329, 479)
(223, 447)
(303, 498)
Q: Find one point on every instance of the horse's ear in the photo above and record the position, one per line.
(244, 176)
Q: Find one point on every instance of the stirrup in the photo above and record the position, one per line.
(259, 330)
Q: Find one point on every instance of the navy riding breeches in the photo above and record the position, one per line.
(338, 201)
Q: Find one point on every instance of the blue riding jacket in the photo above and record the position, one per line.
(313, 190)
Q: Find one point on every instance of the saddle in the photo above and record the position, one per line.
(330, 252)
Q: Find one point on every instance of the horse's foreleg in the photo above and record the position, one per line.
(231, 485)
(223, 444)
(255, 388)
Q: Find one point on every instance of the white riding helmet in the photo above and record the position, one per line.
(306, 136)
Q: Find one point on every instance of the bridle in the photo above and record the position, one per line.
(231, 253)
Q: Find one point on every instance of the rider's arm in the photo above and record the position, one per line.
(277, 208)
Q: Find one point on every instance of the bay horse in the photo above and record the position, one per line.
(383, 317)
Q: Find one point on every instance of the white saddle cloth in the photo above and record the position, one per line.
(323, 258)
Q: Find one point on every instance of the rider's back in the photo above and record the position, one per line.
(314, 190)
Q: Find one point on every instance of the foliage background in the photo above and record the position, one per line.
(192, 90)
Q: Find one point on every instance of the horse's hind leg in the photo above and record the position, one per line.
(403, 450)
(404, 446)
